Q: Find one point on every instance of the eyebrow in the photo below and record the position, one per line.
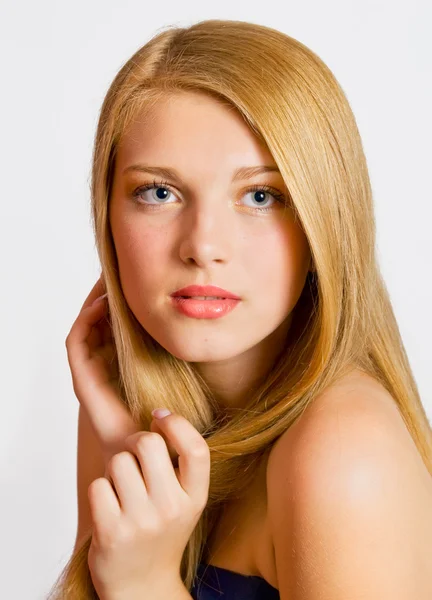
(240, 174)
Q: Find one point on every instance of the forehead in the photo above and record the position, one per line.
(192, 127)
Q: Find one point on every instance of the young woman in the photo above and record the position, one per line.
(234, 222)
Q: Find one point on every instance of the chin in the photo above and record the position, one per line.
(200, 351)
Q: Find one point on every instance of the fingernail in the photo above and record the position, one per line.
(160, 413)
(100, 298)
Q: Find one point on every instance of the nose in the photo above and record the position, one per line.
(208, 235)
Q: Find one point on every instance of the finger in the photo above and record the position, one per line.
(194, 455)
(101, 333)
(77, 341)
(172, 451)
(109, 416)
(97, 290)
(104, 505)
(157, 470)
(95, 338)
(130, 487)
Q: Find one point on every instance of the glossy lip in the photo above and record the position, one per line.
(204, 309)
(205, 290)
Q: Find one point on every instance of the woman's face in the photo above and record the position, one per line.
(204, 227)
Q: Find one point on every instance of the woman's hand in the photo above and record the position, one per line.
(93, 363)
(94, 367)
(144, 509)
(144, 517)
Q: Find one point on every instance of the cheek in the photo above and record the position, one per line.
(279, 264)
(141, 254)
(274, 262)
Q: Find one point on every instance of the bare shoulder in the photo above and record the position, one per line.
(348, 493)
(353, 415)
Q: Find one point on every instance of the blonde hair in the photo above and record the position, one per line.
(343, 319)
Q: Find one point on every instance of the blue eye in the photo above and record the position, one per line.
(163, 189)
(158, 185)
(259, 193)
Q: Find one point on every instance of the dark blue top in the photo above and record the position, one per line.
(214, 583)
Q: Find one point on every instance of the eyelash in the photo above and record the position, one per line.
(265, 188)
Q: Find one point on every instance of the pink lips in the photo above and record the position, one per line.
(205, 290)
(214, 308)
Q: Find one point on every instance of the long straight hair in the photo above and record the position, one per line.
(343, 319)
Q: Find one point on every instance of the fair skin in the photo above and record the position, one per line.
(210, 230)
(343, 510)
(359, 523)
(347, 495)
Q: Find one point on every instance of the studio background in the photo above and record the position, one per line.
(57, 61)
